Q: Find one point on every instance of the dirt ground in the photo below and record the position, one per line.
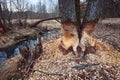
(103, 65)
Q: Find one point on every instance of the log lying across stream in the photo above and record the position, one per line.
(13, 41)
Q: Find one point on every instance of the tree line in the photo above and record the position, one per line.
(19, 11)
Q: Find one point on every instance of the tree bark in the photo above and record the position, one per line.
(94, 10)
(102, 9)
(69, 9)
(111, 9)
(2, 20)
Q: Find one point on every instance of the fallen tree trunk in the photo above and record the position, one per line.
(36, 23)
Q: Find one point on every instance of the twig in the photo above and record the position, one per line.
(29, 67)
(48, 73)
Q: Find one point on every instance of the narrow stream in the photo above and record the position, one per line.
(4, 54)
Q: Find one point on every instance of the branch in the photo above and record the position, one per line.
(58, 21)
(36, 23)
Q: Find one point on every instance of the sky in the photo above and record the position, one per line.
(48, 4)
(35, 1)
(43, 1)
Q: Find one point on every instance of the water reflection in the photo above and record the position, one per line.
(16, 52)
(3, 55)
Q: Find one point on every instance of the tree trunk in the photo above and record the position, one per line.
(94, 10)
(102, 9)
(111, 9)
(70, 9)
(2, 20)
(9, 18)
(1, 26)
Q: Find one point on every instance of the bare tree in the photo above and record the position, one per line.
(2, 19)
(21, 6)
(31, 10)
(9, 17)
(56, 11)
(54, 8)
(6, 14)
(41, 9)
